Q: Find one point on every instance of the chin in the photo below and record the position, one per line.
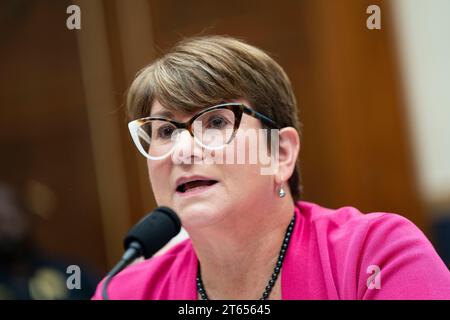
(198, 215)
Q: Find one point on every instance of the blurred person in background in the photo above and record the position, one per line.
(25, 271)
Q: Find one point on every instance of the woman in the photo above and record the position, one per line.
(249, 235)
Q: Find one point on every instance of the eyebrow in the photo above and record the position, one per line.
(162, 113)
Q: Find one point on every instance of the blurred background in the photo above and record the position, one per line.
(375, 105)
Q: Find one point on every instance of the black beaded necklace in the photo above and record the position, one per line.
(201, 289)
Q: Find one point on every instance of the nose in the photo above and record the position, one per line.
(186, 150)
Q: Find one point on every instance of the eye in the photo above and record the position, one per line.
(217, 122)
(165, 131)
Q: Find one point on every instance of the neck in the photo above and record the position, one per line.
(238, 256)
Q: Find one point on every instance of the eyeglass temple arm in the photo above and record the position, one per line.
(260, 116)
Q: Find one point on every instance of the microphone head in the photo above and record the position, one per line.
(154, 231)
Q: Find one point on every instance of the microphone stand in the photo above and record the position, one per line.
(134, 250)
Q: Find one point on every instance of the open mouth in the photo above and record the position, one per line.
(195, 184)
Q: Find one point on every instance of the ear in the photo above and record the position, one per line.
(289, 148)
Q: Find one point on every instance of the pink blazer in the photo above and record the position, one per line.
(333, 254)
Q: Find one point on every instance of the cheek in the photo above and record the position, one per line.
(251, 161)
(151, 171)
(158, 173)
(245, 180)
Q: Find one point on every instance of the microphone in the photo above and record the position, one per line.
(145, 239)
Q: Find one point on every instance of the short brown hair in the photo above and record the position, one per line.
(203, 71)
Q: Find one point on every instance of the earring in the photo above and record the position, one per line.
(281, 192)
